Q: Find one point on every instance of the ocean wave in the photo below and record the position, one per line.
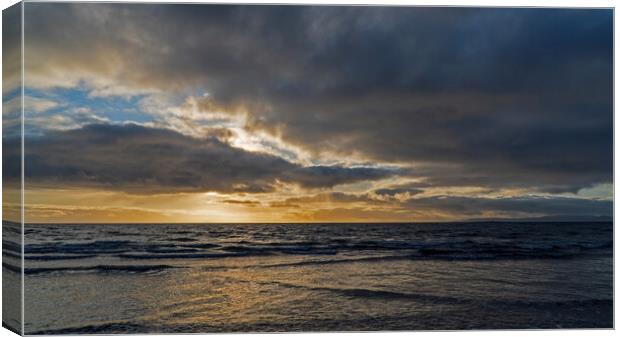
(183, 239)
(12, 268)
(11, 254)
(177, 256)
(200, 245)
(457, 250)
(58, 257)
(336, 261)
(105, 328)
(11, 246)
(102, 269)
(477, 243)
(10, 228)
(556, 305)
(372, 293)
(95, 247)
(281, 248)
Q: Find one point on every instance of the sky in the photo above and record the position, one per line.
(254, 113)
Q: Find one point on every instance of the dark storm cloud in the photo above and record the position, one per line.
(11, 48)
(471, 207)
(483, 97)
(138, 159)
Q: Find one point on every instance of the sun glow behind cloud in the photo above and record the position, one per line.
(289, 120)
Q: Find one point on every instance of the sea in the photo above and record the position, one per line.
(202, 278)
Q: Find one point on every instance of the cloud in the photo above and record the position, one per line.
(11, 48)
(327, 198)
(37, 104)
(248, 203)
(524, 206)
(395, 191)
(448, 207)
(489, 97)
(138, 159)
(70, 118)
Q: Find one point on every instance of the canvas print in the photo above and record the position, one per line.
(199, 168)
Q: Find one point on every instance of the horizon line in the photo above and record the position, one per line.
(317, 223)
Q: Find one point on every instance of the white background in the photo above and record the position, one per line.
(493, 3)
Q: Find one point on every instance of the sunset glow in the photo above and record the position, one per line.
(332, 115)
